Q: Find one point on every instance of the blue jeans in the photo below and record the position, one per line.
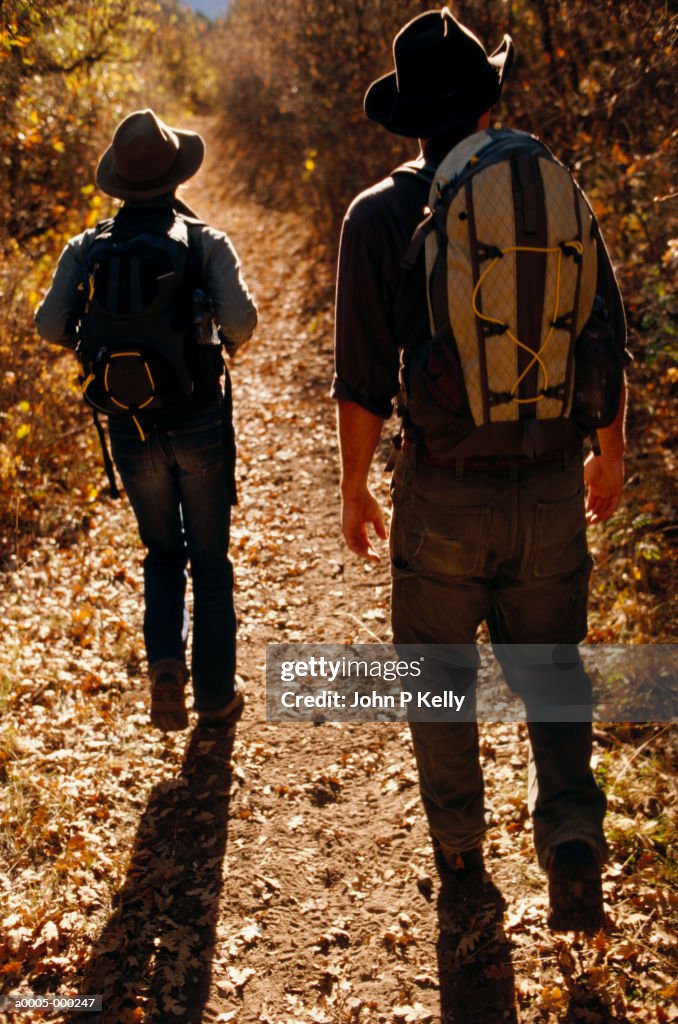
(178, 484)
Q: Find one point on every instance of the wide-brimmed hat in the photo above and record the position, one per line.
(148, 158)
(443, 78)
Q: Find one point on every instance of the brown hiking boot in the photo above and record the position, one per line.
(223, 717)
(460, 864)
(168, 702)
(575, 889)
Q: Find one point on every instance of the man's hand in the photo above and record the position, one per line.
(604, 479)
(359, 432)
(604, 473)
(357, 512)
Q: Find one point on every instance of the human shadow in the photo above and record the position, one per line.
(587, 1000)
(155, 953)
(475, 971)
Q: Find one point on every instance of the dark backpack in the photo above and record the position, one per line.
(519, 358)
(136, 327)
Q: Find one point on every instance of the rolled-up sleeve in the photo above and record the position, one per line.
(54, 317)
(366, 352)
(234, 309)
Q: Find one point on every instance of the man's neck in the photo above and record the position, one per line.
(436, 148)
(166, 199)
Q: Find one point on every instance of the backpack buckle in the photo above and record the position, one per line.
(488, 252)
(563, 322)
(573, 249)
(555, 391)
(492, 328)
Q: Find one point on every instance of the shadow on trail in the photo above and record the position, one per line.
(155, 953)
(586, 1001)
(477, 984)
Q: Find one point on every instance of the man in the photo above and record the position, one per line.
(176, 462)
(499, 538)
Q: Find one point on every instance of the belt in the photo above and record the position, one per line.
(499, 462)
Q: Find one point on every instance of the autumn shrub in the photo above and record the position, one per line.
(68, 73)
(294, 75)
(595, 80)
(44, 452)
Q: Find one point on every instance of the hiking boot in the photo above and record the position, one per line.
(168, 703)
(460, 864)
(575, 889)
(223, 717)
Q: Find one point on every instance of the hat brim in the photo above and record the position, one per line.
(189, 157)
(384, 104)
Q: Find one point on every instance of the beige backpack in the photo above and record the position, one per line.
(511, 268)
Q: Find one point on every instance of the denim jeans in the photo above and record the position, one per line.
(178, 483)
(507, 547)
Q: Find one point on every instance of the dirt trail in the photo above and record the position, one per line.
(283, 874)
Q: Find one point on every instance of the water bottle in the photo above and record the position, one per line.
(205, 332)
(598, 371)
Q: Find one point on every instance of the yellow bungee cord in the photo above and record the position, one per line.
(536, 356)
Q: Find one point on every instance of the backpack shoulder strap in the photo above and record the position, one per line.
(104, 225)
(423, 171)
(103, 229)
(184, 211)
(194, 273)
(178, 230)
(191, 221)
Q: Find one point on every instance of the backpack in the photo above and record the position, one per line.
(136, 330)
(517, 360)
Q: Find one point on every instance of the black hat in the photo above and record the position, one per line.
(148, 158)
(443, 78)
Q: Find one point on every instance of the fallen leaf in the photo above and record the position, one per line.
(250, 933)
(415, 1014)
(240, 977)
